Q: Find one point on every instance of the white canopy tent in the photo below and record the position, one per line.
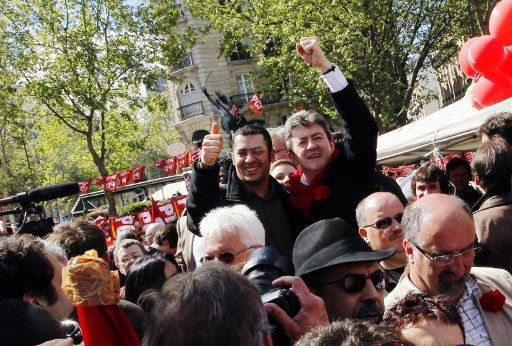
(450, 129)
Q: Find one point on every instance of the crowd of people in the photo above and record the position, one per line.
(298, 240)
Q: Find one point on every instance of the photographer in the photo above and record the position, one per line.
(312, 311)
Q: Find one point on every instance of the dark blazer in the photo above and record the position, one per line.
(351, 176)
(493, 222)
(206, 194)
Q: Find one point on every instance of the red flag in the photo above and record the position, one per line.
(84, 186)
(234, 110)
(183, 160)
(179, 204)
(144, 218)
(125, 178)
(111, 182)
(160, 163)
(126, 222)
(156, 215)
(255, 104)
(195, 154)
(99, 181)
(170, 165)
(138, 174)
(167, 212)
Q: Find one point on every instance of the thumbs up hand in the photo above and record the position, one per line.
(212, 146)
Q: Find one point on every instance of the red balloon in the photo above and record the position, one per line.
(463, 59)
(500, 22)
(506, 66)
(491, 89)
(485, 54)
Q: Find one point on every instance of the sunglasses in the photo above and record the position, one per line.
(385, 222)
(355, 283)
(225, 257)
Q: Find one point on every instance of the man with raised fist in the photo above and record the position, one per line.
(332, 178)
(249, 183)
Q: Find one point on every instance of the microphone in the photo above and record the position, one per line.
(41, 194)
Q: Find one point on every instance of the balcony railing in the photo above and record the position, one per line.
(183, 64)
(191, 111)
(268, 98)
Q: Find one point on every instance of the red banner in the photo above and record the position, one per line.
(194, 155)
(179, 204)
(170, 166)
(110, 182)
(84, 186)
(138, 174)
(125, 178)
(255, 104)
(144, 218)
(183, 160)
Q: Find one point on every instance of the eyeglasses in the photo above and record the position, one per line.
(444, 260)
(279, 150)
(385, 222)
(226, 257)
(355, 283)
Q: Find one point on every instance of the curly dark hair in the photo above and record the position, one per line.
(78, 236)
(415, 306)
(25, 269)
(498, 125)
(431, 173)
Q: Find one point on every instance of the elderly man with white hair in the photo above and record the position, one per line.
(230, 234)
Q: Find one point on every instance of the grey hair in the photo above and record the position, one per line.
(55, 250)
(236, 220)
(278, 132)
(304, 118)
(415, 212)
(123, 244)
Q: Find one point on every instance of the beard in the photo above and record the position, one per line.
(450, 285)
(370, 311)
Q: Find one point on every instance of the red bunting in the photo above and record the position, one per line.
(84, 186)
(255, 104)
(183, 160)
(138, 174)
(125, 178)
(194, 155)
(111, 182)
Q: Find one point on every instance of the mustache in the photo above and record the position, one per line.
(369, 308)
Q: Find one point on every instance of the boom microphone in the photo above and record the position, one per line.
(41, 194)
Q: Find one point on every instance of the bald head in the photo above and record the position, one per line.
(373, 203)
(444, 211)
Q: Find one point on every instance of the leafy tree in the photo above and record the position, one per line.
(383, 45)
(85, 62)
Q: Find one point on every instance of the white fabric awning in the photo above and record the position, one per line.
(450, 129)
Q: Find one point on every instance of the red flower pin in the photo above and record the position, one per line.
(321, 192)
(492, 301)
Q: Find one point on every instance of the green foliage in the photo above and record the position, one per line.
(135, 207)
(382, 45)
(83, 63)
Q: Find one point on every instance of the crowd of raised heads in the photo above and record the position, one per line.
(295, 237)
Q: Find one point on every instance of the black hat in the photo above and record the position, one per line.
(332, 242)
(198, 136)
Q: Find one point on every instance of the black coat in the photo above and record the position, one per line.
(206, 194)
(351, 176)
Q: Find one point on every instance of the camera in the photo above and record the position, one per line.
(263, 266)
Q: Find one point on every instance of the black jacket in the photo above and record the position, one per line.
(206, 194)
(351, 176)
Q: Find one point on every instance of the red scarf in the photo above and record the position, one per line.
(303, 196)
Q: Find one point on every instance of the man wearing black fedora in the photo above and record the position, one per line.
(340, 267)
